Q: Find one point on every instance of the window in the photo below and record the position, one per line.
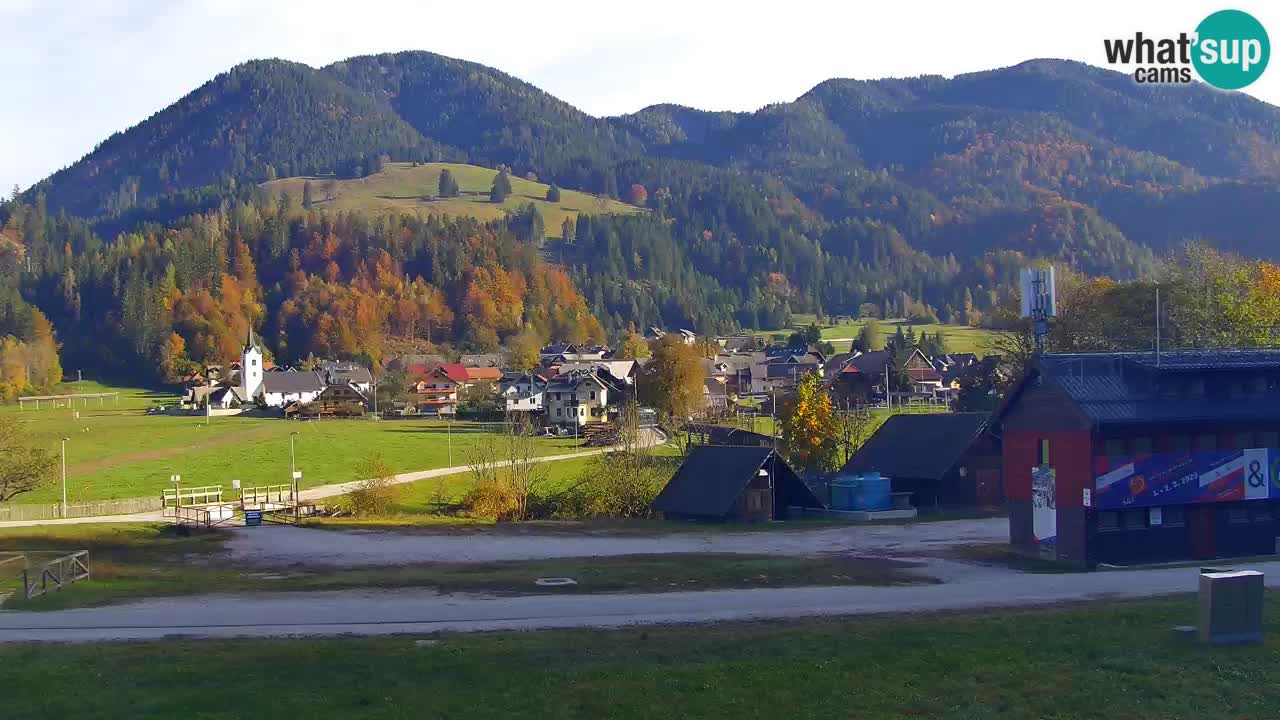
(1135, 519)
(1044, 452)
(593, 394)
(1141, 446)
(254, 362)
(1114, 448)
(1206, 443)
(557, 412)
(1174, 516)
(1108, 521)
(1179, 443)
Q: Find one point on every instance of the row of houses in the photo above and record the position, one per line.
(329, 387)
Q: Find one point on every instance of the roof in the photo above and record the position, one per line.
(1199, 386)
(713, 476)
(456, 372)
(571, 381)
(738, 343)
(923, 446)
(345, 372)
(482, 360)
(483, 373)
(872, 363)
(292, 382)
(715, 387)
(250, 344)
(788, 370)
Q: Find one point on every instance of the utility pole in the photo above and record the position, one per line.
(1157, 327)
(293, 475)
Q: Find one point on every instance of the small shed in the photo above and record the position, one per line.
(945, 460)
(718, 482)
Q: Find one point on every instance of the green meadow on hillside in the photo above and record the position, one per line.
(959, 338)
(413, 188)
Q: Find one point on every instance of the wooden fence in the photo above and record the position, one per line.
(53, 511)
(55, 573)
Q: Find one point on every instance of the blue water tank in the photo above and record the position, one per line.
(843, 490)
(872, 493)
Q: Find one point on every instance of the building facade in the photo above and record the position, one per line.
(1133, 458)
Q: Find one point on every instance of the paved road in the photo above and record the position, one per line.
(420, 611)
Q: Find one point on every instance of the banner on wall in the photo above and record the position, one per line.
(1187, 478)
(1044, 505)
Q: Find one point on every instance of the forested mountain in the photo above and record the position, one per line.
(921, 197)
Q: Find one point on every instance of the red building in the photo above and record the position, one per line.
(1130, 458)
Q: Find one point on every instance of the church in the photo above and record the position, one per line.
(255, 384)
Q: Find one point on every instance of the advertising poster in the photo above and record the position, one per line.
(1186, 478)
(1044, 505)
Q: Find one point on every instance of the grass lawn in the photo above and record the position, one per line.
(151, 560)
(119, 453)
(402, 187)
(1102, 661)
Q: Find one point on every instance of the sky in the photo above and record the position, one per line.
(76, 71)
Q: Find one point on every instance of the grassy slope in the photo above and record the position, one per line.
(124, 453)
(403, 187)
(959, 338)
(1100, 661)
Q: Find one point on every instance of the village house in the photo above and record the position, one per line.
(524, 393)
(578, 398)
(437, 392)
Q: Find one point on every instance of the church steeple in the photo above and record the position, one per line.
(251, 366)
(250, 343)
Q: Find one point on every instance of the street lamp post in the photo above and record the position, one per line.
(448, 433)
(293, 476)
(64, 477)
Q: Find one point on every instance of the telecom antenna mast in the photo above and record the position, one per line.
(1039, 301)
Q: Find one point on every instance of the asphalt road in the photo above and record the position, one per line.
(418, 611)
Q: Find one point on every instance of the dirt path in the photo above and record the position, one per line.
(284, 545)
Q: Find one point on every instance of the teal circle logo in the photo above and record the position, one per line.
(1232, 49)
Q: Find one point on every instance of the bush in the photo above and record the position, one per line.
(377, 493)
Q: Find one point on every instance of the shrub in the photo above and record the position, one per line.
(377, 493)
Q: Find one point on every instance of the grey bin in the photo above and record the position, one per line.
(1230, 606)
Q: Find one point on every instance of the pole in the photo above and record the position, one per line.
(64, 478)
(448, 425)
(1157, 327)
(293, 475)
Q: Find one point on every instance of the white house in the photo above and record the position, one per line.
(281, 388)
(525, 393)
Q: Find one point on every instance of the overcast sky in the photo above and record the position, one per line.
(75, 71)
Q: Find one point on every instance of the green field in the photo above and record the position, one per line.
(410, 188)
(122, 452)
(959, 338)
(1097, 662)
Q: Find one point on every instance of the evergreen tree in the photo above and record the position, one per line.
(501, 189)
(553, 193)
(448, 185)
(306, 195)
(567, 229)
